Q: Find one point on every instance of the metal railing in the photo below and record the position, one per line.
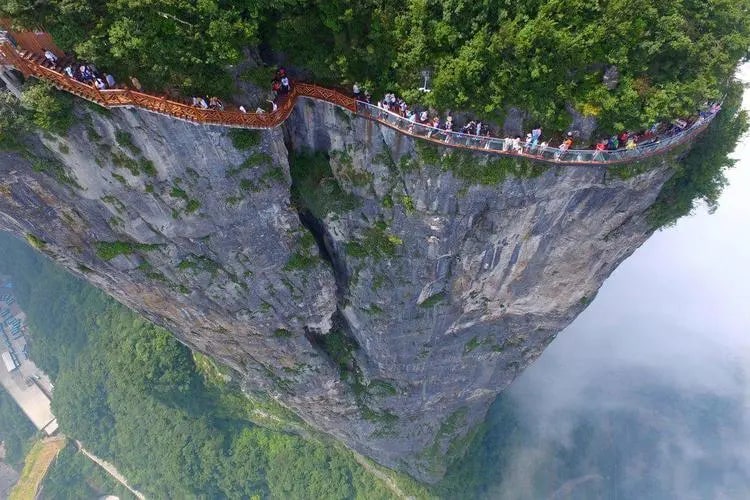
(31, 64)
(506, 147)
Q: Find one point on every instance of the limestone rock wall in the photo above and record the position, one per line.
(449, 273)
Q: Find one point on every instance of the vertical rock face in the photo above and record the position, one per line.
(418, 288)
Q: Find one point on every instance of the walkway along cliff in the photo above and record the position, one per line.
(382, 287)
(30, 63)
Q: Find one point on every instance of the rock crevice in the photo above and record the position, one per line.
(384, 290)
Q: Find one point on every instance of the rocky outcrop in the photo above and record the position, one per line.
(386, 292)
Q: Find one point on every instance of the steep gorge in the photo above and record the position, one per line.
(384, 290)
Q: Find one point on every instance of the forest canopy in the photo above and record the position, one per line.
(483, 56)
(165, 417)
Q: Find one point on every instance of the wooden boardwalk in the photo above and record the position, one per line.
(23, 51)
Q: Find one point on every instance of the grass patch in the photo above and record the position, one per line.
(199, 263)
(476, 170)
(433, 300)
(108, 250)
(282, 333)
(192, 206)
(53, 168)
(376, 243)
(274, 173)
(471, 345)
(347, 171)
(176, 192)
(147, 167)
(35, 241)
(252, 161)
(315, 188)
(298, 261)
(36, 464)
(245, 139)
(125, 140)
(408, 204)
(121, 160)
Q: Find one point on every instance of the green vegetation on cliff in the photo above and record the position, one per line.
(73, 476)
(170, 421)
(538, 55)
(700, 173)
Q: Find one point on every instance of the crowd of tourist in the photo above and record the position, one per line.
(476, 133)
(473, 133)
(83, 72)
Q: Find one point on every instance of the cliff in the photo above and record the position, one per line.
(384, 290)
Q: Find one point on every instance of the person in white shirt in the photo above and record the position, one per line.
(50, 56)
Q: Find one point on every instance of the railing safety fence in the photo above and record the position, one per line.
(505, 147)
(31, 64)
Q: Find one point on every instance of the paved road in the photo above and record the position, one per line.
(111, 470)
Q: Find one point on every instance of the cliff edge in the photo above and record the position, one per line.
(384, 289)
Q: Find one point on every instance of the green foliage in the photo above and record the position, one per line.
(35, 241)
(73, 476)
(52, 110)
(282, 333)
(14, 122)
(304, 257)
(147, 167)
(471, 345)
(176, 192)
(125, 140)
(486, 171)
(254, 160)
(408, 204)
(166, 43)
(376, 242)
(699, 176)
(53, 168)
(299, 261)
(273, 173)
(108, 250)
(199, 263)
(315, 188)
(346, 170)
(245, 139)
(540, 56)
(170, 422)
(192, 206)
(16, 429)
(340, 349)
(433, 300)
(122, 160)
(259, 75)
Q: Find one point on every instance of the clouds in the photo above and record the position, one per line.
(647, 393)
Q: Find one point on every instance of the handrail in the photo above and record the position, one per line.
(30, 65)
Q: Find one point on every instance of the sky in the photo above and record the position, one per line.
(674, 316)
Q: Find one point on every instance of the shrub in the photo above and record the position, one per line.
(245, 139)
(52, 110)
(108, 250)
